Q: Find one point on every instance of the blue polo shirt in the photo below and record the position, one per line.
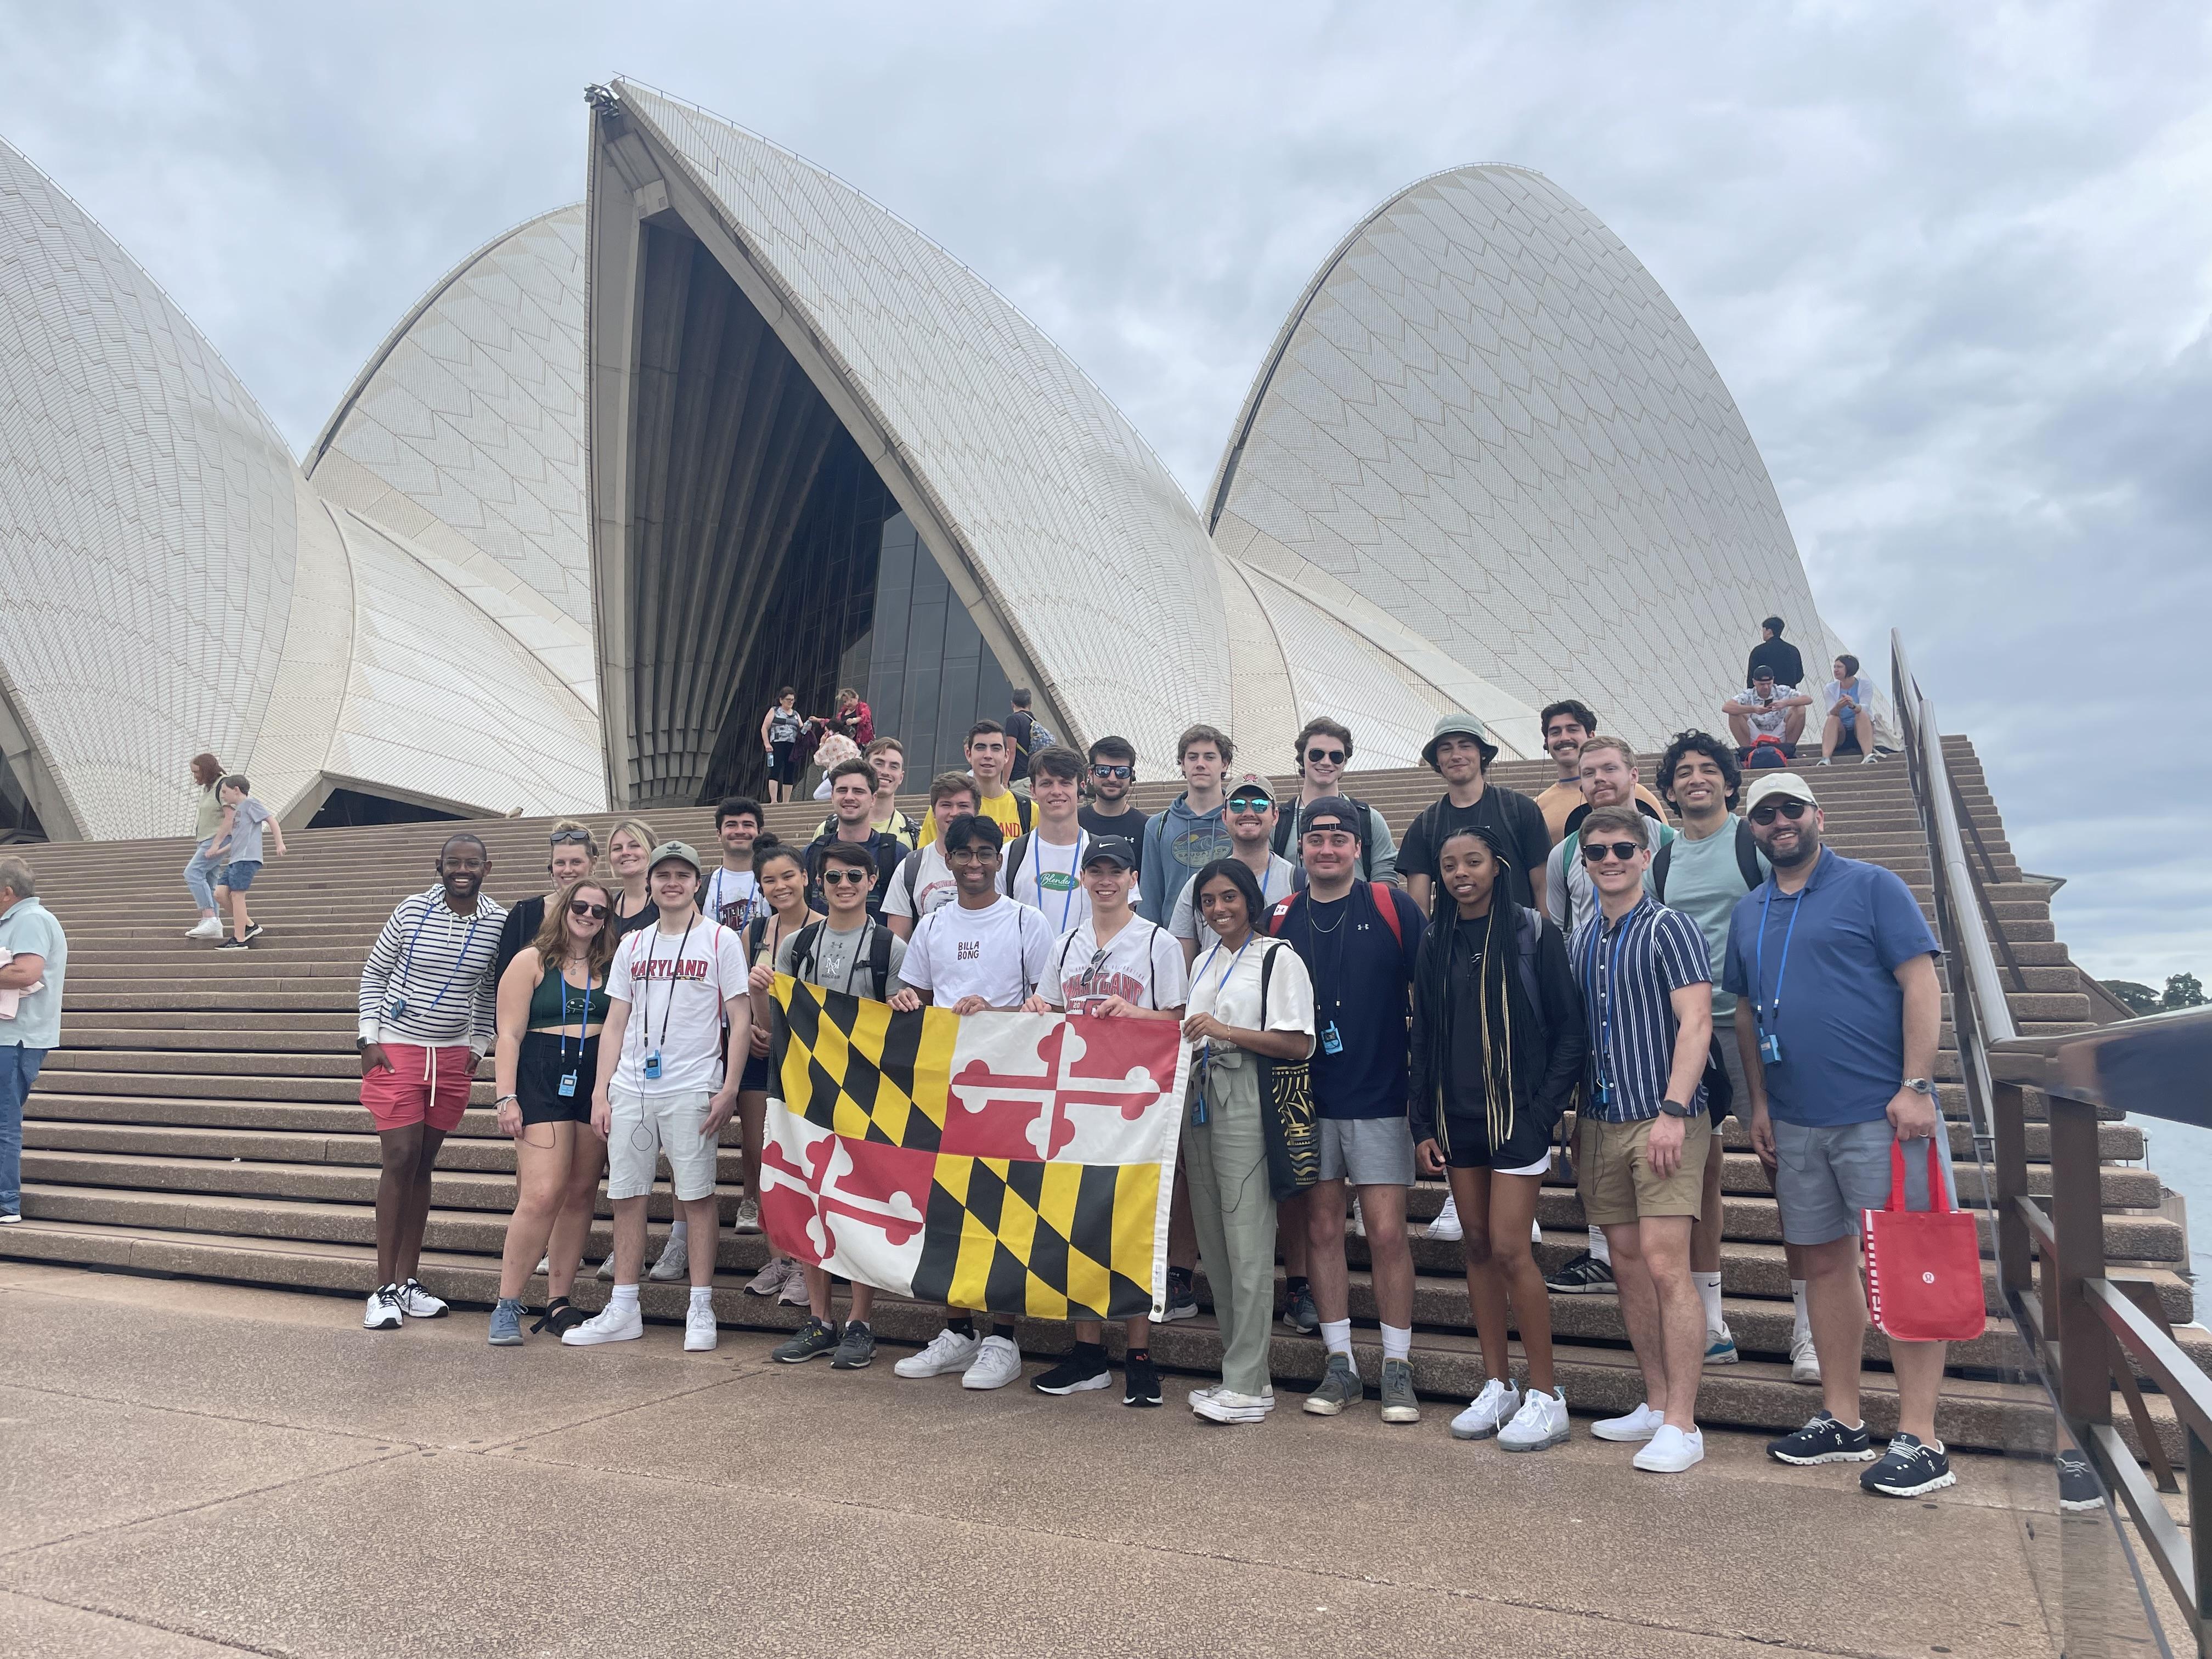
(1362, 977)
(1837, 1007)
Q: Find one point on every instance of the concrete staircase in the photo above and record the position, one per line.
(203, 1119)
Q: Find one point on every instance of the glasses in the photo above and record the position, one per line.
(1250, 803)
(1326, 757)
(1763, 814)
(1121, 772)
(971, 855)
(586, 908)
(568, 837)
(1596, 852)
(839, 878)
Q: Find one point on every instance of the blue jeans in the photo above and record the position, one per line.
(18, 1067)
(200, 874)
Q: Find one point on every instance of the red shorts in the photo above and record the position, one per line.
(424, 1085)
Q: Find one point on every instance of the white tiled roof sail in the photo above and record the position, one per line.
(1486, 417)
(146, 524)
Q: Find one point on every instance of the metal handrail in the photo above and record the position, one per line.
(2085, 1335)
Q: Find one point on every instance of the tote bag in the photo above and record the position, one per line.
(1291, 1126)
(1923, 1268)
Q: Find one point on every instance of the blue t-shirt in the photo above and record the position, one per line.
(1837, 1007)
(1362, 978)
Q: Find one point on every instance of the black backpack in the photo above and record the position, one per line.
(1746, 862)
(1284, 826)
(879, 954)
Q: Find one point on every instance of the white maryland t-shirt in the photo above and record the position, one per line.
(1141, 965)
(1226, 984)
(1183, 916)
(999, 954)
(676, 985)
(921, 884)
(1050, 879)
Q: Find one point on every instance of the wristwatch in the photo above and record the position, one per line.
(361, 1042)
(1675, 1109)
(1919, 1086)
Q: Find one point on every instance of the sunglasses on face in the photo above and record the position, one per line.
(839, 878)
(1596, 852)
(1763, 814)
(570, 837)
(1250, 803)
(1325, 756)
(1124, 772)
(586, 908)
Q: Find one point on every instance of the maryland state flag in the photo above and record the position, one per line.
(1019, 1164)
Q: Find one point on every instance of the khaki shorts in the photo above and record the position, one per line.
(1613, 1177)
(643, 1127)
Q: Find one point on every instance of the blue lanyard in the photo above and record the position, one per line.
(1773, 1008)
(1605, 1002)
(1206, 1049)
(407, 968)
(1068, 899)
(583, 1016)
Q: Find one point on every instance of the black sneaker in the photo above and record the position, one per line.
(252, 930)
(856, 1349)
(1300, 1314)
(1823, 1440)
(1182, 1300)
(1076, 1374)
(1143, 1386)
(811, 1341)
(1907, 1469)
(2077, 1484)
(1581, 1276)
(234, 944)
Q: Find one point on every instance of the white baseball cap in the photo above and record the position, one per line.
(1780, 783)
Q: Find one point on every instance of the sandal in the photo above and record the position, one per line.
(559, 1317)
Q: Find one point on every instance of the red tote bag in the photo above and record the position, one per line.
(1923, 1268)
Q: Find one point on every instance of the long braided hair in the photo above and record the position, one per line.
(1505, 1026)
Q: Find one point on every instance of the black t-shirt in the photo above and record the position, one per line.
(1782, 657)
(1130, 823)
(647, 915)
(523, 920)
(1021, 738)
(887, 853)
(1515, 820)
(1361, 975)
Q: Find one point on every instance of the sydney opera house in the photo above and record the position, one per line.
(729, 424)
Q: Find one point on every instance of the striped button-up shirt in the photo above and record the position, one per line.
(1629, 972)
(439, 967)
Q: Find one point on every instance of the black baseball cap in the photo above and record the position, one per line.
(1111, 849)
(1331, 812)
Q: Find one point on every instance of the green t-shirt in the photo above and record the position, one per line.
(1705, 879)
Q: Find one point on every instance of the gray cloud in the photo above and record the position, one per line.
(1953, 262)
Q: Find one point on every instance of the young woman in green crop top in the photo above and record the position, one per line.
(552, 1001)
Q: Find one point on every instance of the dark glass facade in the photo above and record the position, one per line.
(17, 820)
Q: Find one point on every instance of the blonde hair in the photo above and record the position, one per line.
(637, 829)
(591, 842)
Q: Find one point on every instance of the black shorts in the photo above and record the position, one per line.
(754, 1079)
(1469, 1148)
(537, 1074)
(783, 764)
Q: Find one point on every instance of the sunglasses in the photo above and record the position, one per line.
(1764, 813)
(586, 908)
(1123, 772)
(1326, 757)
(564, 837)
(1596, 852)
(1250, 803)
(839, 878)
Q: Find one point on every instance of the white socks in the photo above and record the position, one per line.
(1803, 1327)
(624, 1295)
(1599, 1247)
(1336, 1335)
(1709, 1292)
(678, 1233)
(1397, 1341)
(702, 1295)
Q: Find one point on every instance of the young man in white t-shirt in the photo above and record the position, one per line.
(1116, 965)
(984, 952)
(669, 1069)
(924, 881)
(1044, 868)
(730, 895)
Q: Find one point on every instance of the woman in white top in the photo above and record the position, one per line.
(782, 876)
(1224, 1136)
(1851, 708)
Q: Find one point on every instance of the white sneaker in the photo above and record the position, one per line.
(1487, 1411)
(1205, 1392)
(616, 1322)
(607, 1267)
(1227, 1406)
(209, 927)
(545, 1266)
(770, 1279)
(1671, 1452)
(948, 1351)
(747, 1219)
(699, 1334)
(1804, 1363)
(1446, 1225)
(418, 1303)
(1357, 1225)
(383, 1312)
(998, 1362)
(1541, 1424)
(675, 1260)
(1639, 1425)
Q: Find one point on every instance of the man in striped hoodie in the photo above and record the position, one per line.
(427, 1009)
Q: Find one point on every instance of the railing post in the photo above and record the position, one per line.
(2200, 1534)
(2007, 1113)
(2077, 1220)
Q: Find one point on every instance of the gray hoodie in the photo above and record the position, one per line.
(1178, 844)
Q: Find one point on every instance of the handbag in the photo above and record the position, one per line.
(1923, 1268)
(1290, 1125)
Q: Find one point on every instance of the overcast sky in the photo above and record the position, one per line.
(1954, 261)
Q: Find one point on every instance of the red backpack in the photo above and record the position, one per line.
(1377, 891)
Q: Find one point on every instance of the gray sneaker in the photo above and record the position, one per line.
(811, 1341)
(856, 1349)
(1399, 1405)
(1341, 1387)
(507, 1323)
